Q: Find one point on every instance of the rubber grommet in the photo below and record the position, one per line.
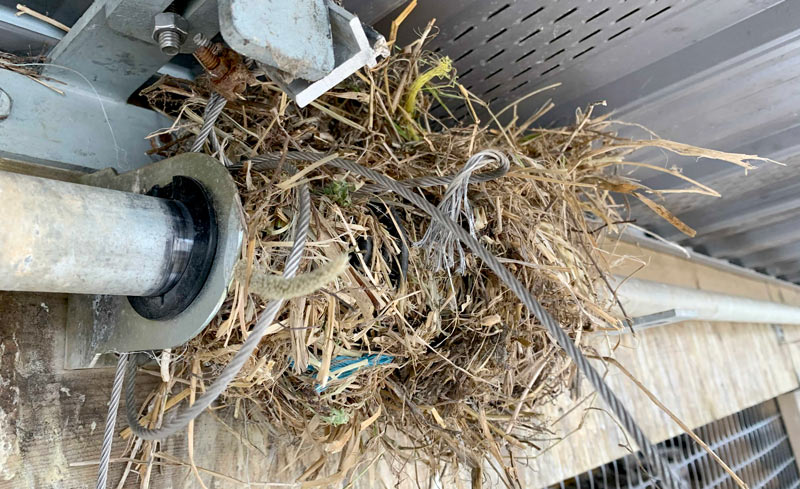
(192, 197)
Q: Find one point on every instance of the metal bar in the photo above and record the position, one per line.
(705, 460)
(604, 475)
(64, 237)
(661, 318)
(644, 297)
(715, 437)
(778, 458)
(685, 445)
(767, 442)
(741, 437)
(731, 457)
(756, 426)
(748, 440)
(626, 461)
(752, 458)
(773, 474)
(753, 442)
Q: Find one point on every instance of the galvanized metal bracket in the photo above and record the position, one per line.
(135, 18)
(654, 320)
(294, 37)
(100, 324)
(112, 44)
(353, 44)
(75, 130)
(663, 318)
(115, 63)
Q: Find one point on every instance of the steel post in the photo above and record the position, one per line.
(65, 237)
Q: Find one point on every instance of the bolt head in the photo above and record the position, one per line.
(5, 105)
(169, 21)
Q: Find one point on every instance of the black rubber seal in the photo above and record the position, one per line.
(191, 196)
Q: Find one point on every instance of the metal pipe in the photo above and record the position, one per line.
(64, 237)
(644, 297)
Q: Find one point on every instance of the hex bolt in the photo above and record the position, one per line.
(5, 105)
(170, 31)
(206, 53)
(169, 42)
(229, 75)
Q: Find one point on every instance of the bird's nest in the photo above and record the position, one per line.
(398, 358)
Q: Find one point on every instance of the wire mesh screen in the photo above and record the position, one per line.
(752, 442)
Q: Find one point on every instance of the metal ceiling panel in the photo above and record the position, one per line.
(758, 239)
(753, 206)
(503, 49)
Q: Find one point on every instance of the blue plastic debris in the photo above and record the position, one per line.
(340, 363)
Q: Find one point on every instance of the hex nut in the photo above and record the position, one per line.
(169, 21)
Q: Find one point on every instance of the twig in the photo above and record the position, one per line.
(23, 10)
(190, 428)
(676, 419)
(399, 20)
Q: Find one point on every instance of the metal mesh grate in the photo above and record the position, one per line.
(753, 442)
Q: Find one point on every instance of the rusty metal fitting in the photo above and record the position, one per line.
(206, 53)
(225, 67)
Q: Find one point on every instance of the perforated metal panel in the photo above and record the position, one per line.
(504, 49)
(514, 45)
(752, 442)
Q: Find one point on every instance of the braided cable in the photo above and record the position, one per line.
(214, 106)
(657, 463)
(434, 181)
(441, 246)
(111, 421)
(248, 347)
(220, 151)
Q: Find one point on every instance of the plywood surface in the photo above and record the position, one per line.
(52, 420)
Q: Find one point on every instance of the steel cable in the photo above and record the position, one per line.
(441, 245)
(111, 421)
(213, 109)
(214, 106)
(657, 463)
